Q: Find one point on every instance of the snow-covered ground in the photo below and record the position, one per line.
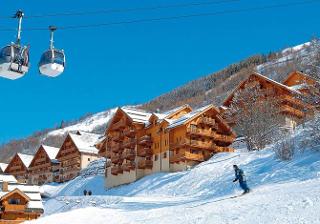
(282, 192)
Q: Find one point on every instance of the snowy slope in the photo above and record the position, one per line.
(89, 124)
(282, 192)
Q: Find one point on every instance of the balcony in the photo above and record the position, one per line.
(223, 149)
(223, 138)
(207, 121)
(129, 154)
(199, 132)
(145, 164)
(175, 158)
(194, 157)
(292, 111)
(118, 137)
(145, 140)
(144, 152)
(201, 145)
(295, 101)
(9, 207)
(129, 132)
(119, 125)
(128, 166)
(129, 143)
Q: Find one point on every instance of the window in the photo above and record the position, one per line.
(156, 158)
(88, 159)
(14, 201)
(165, 155)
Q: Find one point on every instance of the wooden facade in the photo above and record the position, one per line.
(198, 138)
(76, 152)
(18, 166)
(140, 143)
(44, 167)
(293, 109)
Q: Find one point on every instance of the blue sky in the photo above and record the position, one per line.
(129, 64)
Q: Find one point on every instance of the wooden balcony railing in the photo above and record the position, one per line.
(223, 149)
(175, 158)
(199, 132)
(119, 125)
(201, 145)
(144, 152)
(295, 101)
(223, 138)
(194, 157)
(145, 164)
(292, 111)
(9, 207)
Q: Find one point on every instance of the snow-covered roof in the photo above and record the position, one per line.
(174, 110)
(35, 205)
(7, 178)
(86, 142)
(3, 166)
(177, 122)
(24, 188)
(137, 115)
(299, 87)
(51, 151)
(25, 158)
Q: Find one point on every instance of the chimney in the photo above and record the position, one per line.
(5, 186)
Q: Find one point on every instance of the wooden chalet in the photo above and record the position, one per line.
(18, 202)
(304, 84)
(299, 81)
(140, 143)
(290, 104)
(76, 152)
(44, 167)
(18, 166)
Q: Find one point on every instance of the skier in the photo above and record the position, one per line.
(241, 178)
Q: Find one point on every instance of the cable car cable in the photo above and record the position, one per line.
(232, 11)
(107, 11)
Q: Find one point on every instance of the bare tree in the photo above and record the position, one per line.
(256, 115)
